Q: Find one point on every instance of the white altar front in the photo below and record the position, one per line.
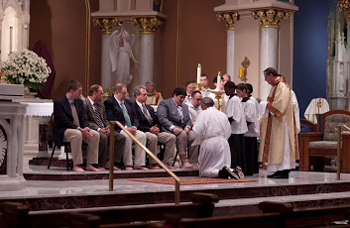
(37, 117)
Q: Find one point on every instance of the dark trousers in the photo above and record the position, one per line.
(251, 155)
(236, 143)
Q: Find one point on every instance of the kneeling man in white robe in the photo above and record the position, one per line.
(212, 129)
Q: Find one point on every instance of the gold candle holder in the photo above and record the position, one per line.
(218, 96)
(107, 93)
(198, 86)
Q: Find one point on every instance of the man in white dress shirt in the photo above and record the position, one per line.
(194, 106)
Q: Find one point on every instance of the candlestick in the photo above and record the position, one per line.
(240, 71)
(218, 96)
(11, 29)
(218, 81)
(199, 72)
(25, 37)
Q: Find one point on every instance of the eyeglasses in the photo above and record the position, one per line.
(198, 99)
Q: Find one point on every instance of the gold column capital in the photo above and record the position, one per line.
(105, 24)
(344, 5)
(148, 25)
(229, 18)
(270, 18)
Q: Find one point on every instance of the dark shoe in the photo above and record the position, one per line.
(283, 174)
(226, 173)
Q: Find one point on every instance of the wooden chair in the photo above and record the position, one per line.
(324, 143)
(312, 125)
(67, 148)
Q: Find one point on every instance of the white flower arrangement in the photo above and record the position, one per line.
(27, 68)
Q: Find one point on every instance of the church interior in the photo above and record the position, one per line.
(306, 41)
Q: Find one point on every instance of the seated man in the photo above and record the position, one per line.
(153, 97)
(71, 125)
(194, 106)
(120, 109)
(148, 123)
(190, 87)
(96, 114)
(212, 130)
(174, 118)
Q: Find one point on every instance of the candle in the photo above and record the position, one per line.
(240, 71)
(199, 72)
(11, 30)
(25, 37)
(218, 81)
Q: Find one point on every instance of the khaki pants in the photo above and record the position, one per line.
(140, 155)
(76, 138)
(163, 137)
(183, 142)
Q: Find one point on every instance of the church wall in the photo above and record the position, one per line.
(310, 51)
(202, 40)
(61, 25)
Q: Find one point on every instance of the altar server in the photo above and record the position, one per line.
(235, 114)
(250, 138)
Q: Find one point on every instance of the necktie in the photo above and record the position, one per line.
(74, 114)
(126, 115)
(145, 112)
(179, 110)
(98, 115)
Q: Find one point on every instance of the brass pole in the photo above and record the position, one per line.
(173, 175)
(111, 157)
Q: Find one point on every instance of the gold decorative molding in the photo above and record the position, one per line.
(105, 24)
(344, 5)
(148, 25)
(270, 18)
(229, 18)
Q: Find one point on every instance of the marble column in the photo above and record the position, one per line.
(229, 18)
(106, 64)
(268, 57)
(105, 25)
(148, 28)
(270, 20)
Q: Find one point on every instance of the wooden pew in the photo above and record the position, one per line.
(308, 217)
(202, 206)
(275, 214)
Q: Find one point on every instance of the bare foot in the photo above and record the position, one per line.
(140, 168)
(101, 169)
(186, 164)
(154, 167)
(128, 168)
(91, 168)
(77, 168)
(169, 166)
(114, 167)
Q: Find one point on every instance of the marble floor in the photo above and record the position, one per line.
(37, 189)
(49, 188)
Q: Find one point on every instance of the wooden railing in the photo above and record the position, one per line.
(111, 158)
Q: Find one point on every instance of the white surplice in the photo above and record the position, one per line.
(212, 129)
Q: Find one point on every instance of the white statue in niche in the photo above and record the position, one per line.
(341, 78)
(120, 52)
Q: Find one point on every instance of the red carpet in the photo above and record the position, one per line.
(191, 180)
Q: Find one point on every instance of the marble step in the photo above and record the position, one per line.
(250, 206)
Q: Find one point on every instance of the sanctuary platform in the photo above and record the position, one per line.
(58, 189)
